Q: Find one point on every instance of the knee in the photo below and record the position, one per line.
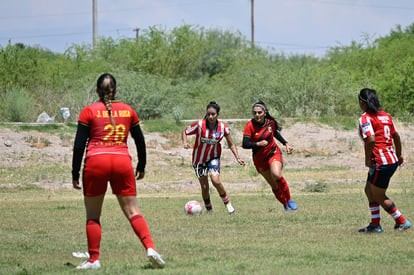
(216, 183)
(277, 176)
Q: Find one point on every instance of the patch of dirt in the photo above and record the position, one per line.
(168, 163)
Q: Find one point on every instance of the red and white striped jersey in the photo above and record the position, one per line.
(382, 127)
(207, 144)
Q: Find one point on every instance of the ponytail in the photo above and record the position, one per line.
(370, 97)
(106, 87)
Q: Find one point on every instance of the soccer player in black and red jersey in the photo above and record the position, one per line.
(259, 135)
(104, 127)
(207, 152)
(382, 145)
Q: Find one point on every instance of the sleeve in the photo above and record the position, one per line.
(365, 127)
(138, 137)
(192, 129)
(279, 137)
(247, 144)
(82, 136)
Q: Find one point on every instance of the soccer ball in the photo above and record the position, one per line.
(193, 208)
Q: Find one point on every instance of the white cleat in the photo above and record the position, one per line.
(230, 208)
(81, 255)
(88, 265)
(155, 258)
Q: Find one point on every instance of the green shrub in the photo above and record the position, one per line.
(18, 106)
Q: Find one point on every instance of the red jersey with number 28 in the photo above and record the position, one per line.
(382, 127)
(104, 137)
(207, 144)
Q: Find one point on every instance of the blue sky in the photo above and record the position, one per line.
(288, 26)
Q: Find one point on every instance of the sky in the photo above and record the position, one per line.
(286, 27)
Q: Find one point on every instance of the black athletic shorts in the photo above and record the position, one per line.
(380, 175)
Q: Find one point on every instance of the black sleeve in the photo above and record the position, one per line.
(279, 137)
(138, 137)
(82, 136)
(247, 144)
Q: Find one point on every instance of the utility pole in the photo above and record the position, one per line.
(95, 22)
(252, 21)
(136, 30)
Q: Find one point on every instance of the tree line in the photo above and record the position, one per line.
(174, 74)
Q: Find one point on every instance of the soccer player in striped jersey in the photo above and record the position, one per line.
(104, 127)
(207, 152)
(259, 135)
(382, 146)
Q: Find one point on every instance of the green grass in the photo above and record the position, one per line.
(39, 230)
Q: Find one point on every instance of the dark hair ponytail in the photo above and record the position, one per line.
(106, 86)
(262, 105)
(370, 97)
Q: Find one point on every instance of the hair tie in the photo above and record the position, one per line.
(363, 100)
(261, 106)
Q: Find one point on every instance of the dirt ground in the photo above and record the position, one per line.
(315, 146)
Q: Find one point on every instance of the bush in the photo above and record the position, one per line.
(18, 105)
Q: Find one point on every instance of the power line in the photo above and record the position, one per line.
(59, 34)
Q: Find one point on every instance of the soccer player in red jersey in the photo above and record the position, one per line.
(382, 146)
(207, 152)
(259, 135)
(103, 127)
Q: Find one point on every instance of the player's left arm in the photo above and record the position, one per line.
(138, 136)
(233, 149)
(398, 148)
(279, 137)
(81, 139)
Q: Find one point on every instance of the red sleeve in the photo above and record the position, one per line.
(192, 129)
(85, 116)
(248, 129)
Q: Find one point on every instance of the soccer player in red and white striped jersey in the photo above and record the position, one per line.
(382, 146)
(207, 152)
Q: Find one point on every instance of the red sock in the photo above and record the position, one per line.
(279, 196)
(282, 185)
(225, 198)
(207, 203)
(375, 213)
(396, 214)
(142, 231)
(93, 234)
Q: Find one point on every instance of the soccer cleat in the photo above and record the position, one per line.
(287, 208)
(292, 205)
(230, 208)
(155, 258)
(209, 211)
(402, 227)
(371, 229)
(81, 255)
(88, 265)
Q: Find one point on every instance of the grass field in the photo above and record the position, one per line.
(42, 221)
(39, 230)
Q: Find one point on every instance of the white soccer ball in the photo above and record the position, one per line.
(193, 208)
